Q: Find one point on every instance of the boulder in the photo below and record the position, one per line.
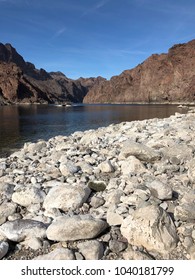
(66, 197)
(75, 228)
(152, 228)
(140, 151)
(27, 196)
(19, 230)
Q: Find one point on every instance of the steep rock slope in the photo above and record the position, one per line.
(21, 82)
(161, 78)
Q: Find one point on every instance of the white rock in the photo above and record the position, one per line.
(26, 196)
(18, 230)
(106, 167)
(33, 243)
(66, 197)
(132, 165)
(113, 218)
(152, 228)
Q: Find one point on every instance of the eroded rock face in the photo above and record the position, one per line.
(160, 78)
(21, 82)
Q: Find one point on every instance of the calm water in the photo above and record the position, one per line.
(28, 123)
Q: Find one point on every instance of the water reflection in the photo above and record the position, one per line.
(23, 123)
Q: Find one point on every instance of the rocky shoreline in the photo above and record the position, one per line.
(125, 191)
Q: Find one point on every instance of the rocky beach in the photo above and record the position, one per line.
(126, 191)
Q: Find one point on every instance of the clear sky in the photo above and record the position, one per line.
(92, 38)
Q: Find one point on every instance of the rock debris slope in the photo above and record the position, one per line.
(126, 191)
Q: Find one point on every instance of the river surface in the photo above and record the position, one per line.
(29, 123)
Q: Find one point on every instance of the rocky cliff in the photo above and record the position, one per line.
(21, 82)
(161, 78)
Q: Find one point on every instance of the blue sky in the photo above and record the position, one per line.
(92, 38)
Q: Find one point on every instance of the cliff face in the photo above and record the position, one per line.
(161, 78)
(21, 82)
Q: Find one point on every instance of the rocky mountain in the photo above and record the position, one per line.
(21, 82)
(161, 78)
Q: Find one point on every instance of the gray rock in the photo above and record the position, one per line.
(57, 254)
(4, 247)
(26, 196)
(68, 168)
(152, 228)
(160, 190)
(117, 246)
(97, 201)
(97, 186)
(185, 212)
(91, 250)
(18, 230)
(6, 209)
(75, 228)
(131, 254)
(66, 197)
(6, 190)
(35, 147)
(140, 151)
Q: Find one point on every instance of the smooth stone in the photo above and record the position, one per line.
(75, 228)
(66, 197)
(97, 186)
(18, 230)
